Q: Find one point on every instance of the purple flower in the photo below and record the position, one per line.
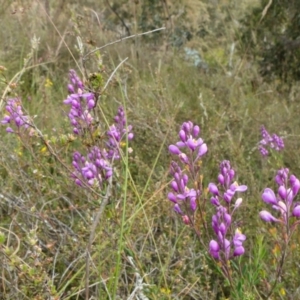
(273, 142)
(15, 116)
(282, 176)
(225, 247)
(237, 241)
(267, 217)
(283, 202)
(269, 197)
(81, 102)
(93, 169)
(214, 249)
(296, 211)
(226, 183)
(116, 133)
(181, 194)
(189, 150)
(189, 139)
(213, 189)
(174, 150)
(226, 175)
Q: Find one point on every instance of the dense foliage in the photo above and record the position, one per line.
(271, 35)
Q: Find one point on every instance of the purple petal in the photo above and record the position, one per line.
(214, 249)
(172, 197)
(196, 131)
(228, 195)
(214, 201)
(221, 179)
(202, 150)
(267, 217)
(238, 202)
(174, 186)
(182, 135)
(296, 211)
(178, 209)
(227, 219)
(241, 188)
(269, 197)
(295, 184)
(282, 192)
(238, 238)
(227, 248)
(213, 189)
(238, 251)
(193, 203)
(184, 159)
(174, 150)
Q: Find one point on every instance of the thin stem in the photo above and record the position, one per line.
(279, 268)
(121, 40)
(92, 235)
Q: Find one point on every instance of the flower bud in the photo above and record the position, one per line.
(267, 217)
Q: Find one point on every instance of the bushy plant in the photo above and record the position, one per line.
(270, 35)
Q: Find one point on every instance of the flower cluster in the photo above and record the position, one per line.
(82, 103)
(274, 142)
(92, 170)
(183, 197)
(221, 248)
(15, 115)
(189, 139)
(227, 184)
(97, 166)
(283, 202)
(115, 134)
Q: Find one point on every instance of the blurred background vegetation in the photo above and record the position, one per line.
(229, 66)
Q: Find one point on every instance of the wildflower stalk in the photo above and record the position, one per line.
(288, 209)
(229, 242)
(189, 149)
(94, 226)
